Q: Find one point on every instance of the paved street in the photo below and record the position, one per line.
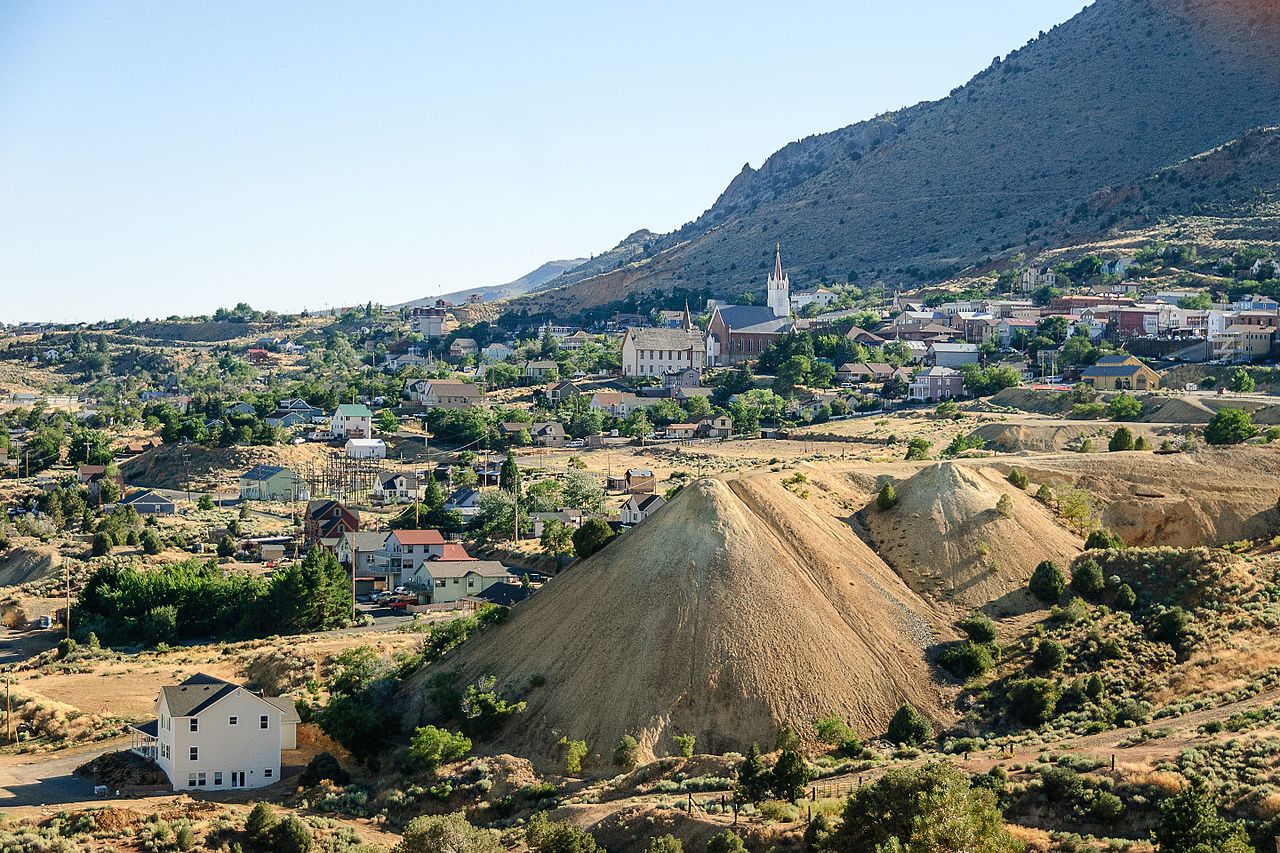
(43, 780)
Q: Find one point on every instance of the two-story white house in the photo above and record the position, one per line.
(351, 420)
(209, 733)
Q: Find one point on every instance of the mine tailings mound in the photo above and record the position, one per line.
(949, 543)
(26, 564)
(737, 608)
(1048, 437)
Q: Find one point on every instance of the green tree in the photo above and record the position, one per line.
(1241, 382)
(226, 546)
(887, 499)
(387, 422)
(1087, 579)
(930, 809)
(1230, 426)
(102, 544)
(204, 502)
(1004, 506)
(909, 726)
(918, 449)
(753, 777)
(1049, 656)
(291, 835)
(593, 535)
(1018, 478)
(1103, 539)
(638, 425)
(575, 752)
(433, 746)
(1189, 823)
(260, 823)
(685, 745)
(509, 474)
(1033, 700)
(545, 836)
(1121, 439)
(789, 776)
(664, 844)
(448, 833)
(627, 752)
(1047, 582)
(1125, 597)
(1124, 407)
(979, 628)
(151, 543)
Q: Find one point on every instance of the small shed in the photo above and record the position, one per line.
(366, 448)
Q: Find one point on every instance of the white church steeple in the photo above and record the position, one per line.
(779, 296)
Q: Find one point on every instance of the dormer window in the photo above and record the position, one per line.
(195, 724)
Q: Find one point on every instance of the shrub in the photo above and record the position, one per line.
(1004, 506)
(66, 647)
(627, 752)
(1044, 494)
(185, 839)
(291, 835)
(261, 821)
(1170, 626)
(922, 808)
(726, 842)
(1018, 479)
(909, 726)
(1086, 577)
(685, 744)
(1049, 656)
(887, 499)
(1189, 823)
(546, 836)
(1047, 582)
(918, 450)
(1241, 382)
(433, 746)
(1106, 807)
(1141, 443)
(226, 546)
(1230, 426)
(1125, 597)
(204, 502)
(1121, 439)
(835, 731)
(967, 659)
(664, 844)
(452, 832)
(1032, 700)
(574, 753)
(321, 767)
(978, 627)
(1102, 539)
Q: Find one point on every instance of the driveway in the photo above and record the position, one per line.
(44, 780)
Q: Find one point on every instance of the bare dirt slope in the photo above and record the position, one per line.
(1211, 496)
(29, 563)
(950, 544)
(735, 609)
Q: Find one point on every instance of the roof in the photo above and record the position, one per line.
(644, 503)
(288, 709)
(366, 442)
(504, 594)
(150, 727)
(418, 537)
(639, 472)
(146, 496)
(461, 494)
(942, 347)
(366, 540)
(752, 318)
(1113, 360)
(455, 551)
(354, 410)
(1101, 370)
(938, 371)
(462, 568)
(672, 339)
(195, 694)
(262, 472)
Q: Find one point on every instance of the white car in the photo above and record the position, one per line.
(577, 442)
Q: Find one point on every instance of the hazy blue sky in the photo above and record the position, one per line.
(171, 157)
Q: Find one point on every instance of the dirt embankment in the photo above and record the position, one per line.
(214, 469)
(28, 563)
(951, 544)
(735, 609)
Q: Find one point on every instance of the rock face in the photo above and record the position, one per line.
(732, 611)
(1123, 90)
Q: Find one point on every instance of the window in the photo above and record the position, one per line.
(217, 778)
(267, 772)
(195, 753)
(200, 780)
(264, 721)
(233, 721)
(191, 780)
(195, 724)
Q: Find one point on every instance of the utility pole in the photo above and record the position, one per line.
(66, 571)
(515, 506)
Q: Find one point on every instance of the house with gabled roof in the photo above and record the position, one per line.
(272, 483)
(351, 420)
(212, 734)
(148, 502)
(640, 507)
(326, 520)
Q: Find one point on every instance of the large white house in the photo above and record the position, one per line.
(210, 733)
(351, 420)
(655, 352)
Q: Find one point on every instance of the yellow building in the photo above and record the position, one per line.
(1120, 373)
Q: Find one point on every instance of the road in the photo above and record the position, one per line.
(44, 780)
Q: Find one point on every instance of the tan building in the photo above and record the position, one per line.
(1120, 373)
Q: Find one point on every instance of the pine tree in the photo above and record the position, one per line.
(753, 777)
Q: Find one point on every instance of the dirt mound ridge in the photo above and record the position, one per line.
(27, 564)
(735, 609)
(950, 544)
(1051, 437)
(1179, 410)
(213, 468)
